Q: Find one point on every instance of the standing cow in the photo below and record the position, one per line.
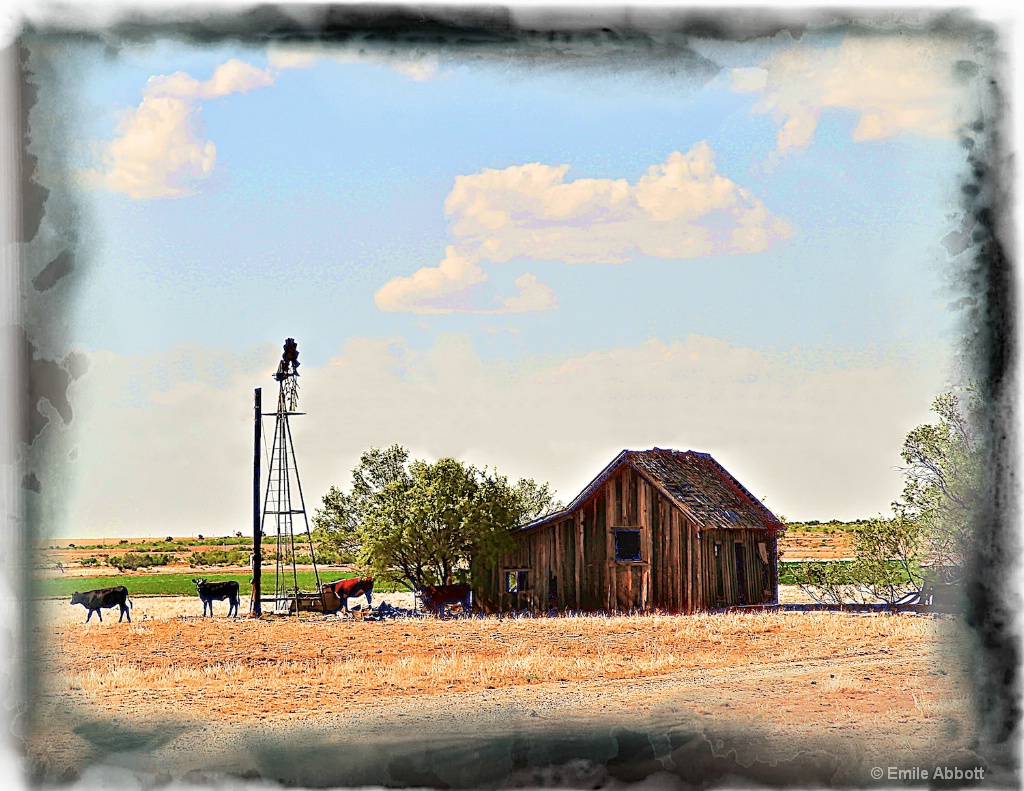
(209, 591)
(94, 601)
(435, 597)
(355, 586)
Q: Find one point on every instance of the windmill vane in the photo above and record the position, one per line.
(289, 365)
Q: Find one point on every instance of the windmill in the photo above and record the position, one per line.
(279, 506)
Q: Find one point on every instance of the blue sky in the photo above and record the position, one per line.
(407, 217)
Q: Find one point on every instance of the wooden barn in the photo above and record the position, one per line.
(656, 530)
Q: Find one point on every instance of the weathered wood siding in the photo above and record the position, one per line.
(736, 573)
(571, 562)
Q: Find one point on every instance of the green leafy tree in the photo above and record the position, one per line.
(888, 557)
(933, 518)
(337, 522)
(421, 523)
(943, 480)
(933, 523)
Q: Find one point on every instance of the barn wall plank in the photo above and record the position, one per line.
(612, 517)
(577, 605)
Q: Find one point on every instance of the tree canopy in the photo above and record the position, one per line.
(933, 519)
(424, 522)
(943, 478)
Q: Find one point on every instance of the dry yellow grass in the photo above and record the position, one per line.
(887, 682)
(226, 658)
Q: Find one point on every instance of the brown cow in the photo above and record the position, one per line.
(354, 586)
(435, 597)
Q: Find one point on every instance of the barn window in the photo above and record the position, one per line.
(516, 581)
(627, 545)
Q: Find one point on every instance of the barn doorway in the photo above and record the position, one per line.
(741, 573)
(719, 575)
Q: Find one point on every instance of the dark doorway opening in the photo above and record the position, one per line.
(741, 573)
(719, 575)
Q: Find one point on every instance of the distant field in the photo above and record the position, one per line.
(177, 584)
(84, 568)
(180, 584)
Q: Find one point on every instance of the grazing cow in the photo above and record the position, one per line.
(93, 601)
(355, 586)
(435, 597)
(208, 591)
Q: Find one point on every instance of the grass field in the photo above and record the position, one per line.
(177, 584)
(180, 584)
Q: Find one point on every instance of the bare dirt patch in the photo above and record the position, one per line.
(807, 545)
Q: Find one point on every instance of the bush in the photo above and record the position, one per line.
(219, 557)
(332, 556)
(90, 562)
(133, 561)
(169, 539)
(825, 582)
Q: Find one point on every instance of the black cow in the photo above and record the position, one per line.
(93, 601)
(208, 591)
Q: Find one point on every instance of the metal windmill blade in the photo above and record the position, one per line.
(287, 373)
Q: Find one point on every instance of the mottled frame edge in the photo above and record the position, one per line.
(987, 275)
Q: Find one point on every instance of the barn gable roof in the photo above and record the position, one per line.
(697, 484)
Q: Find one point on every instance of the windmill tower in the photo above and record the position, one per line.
(284, 505)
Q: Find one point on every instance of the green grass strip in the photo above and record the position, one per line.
(180, 584)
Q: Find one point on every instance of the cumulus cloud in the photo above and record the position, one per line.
(234, 76)
(161, 149)
(793, 427)
(428, 289)
(533, 295)
(896, 85)
(681, 208)
(446, 288)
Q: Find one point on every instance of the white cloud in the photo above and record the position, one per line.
(446, 289)
(681, 208)
(164, 444)
(533, 295)
(161, 150)
(418, 67)
(234, 76)
(427, 290)
(896, 85)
